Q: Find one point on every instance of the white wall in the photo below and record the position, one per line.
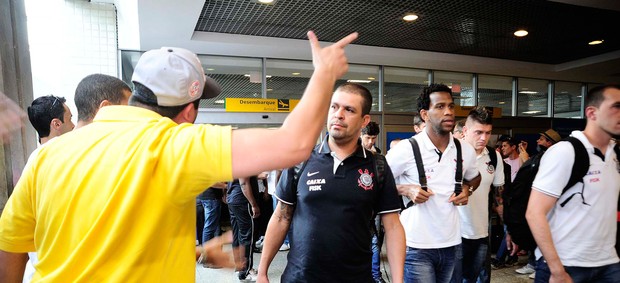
(70, 39)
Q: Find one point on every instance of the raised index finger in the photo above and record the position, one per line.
(314, 41)
(346, 40)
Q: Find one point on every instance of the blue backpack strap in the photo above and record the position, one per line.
(580, 168)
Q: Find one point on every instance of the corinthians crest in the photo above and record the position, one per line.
(365, 179)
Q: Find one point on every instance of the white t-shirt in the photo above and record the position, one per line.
(583, 235)
(435, 223)
(475, 215)
(515, 164)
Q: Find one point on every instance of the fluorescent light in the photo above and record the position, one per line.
(371, 78)
(359, 81)
(502, 102)
(265, 1)
(219, 101)
(248, 75)
(528, 92)
(210, 69)
(521, 33)
(295, 74)
(531, 112)
(410, 17)
(595, 42)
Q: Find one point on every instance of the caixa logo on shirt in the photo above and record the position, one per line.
(365, 179)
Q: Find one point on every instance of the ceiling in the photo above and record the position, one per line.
(474, 36)
(558, 32)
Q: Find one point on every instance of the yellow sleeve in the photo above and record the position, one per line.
(198, 156)
(17, 222)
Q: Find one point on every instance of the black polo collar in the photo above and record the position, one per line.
(323, 148)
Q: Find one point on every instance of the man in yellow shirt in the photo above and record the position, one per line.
(114, 201)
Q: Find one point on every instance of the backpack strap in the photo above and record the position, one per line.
(492, 156)
(379, 162)
(458, 177)
(580, 168)
(419, 164)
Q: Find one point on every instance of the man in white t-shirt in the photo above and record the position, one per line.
(576, 230)
(432, 225)
(475, 215)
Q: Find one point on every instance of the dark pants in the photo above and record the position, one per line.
(377, 242)
(602, 274)
(242, 226)
(200, 221)
(474, 256)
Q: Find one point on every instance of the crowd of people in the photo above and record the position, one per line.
(114, 198)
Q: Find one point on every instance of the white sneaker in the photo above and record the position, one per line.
(285, 247)
(259, 243)
(532, 276)
(527, 269)
(251, 277)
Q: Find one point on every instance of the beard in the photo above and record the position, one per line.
(541, 148)
(440, 130)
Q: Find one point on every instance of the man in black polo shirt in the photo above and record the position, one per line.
(331, 208)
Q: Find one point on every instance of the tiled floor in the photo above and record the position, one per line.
(208, 275)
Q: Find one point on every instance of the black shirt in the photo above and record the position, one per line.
(331, 233)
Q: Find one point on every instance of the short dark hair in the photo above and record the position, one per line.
(94, 89)
(424, 100)
(361, 90)
(151, 102)
(481, 115)
(510, 140)
(372, 129)
(595, 95)
(45, 109)
(417, 119)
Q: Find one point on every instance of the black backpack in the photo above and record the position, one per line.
(458, 176)
(517, 196)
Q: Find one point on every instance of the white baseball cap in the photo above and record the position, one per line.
(175, 76)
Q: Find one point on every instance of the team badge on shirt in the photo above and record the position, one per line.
(365, 179)
(490, 168)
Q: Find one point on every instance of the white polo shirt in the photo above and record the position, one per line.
(475, 215)
(435, 223)
(584, 235)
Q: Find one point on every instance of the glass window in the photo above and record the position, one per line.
(402, 88)
(567, 100)
(239, 78)
(461, 85)
(287, 79)
(495, 91)
(366, 75)
(532, 99)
